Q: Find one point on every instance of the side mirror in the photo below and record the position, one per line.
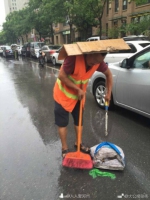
(125, 63)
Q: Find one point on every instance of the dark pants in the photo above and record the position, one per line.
(62, 116)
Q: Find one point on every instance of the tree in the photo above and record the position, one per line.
(3, 39)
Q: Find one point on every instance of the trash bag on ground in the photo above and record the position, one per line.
(109, 156)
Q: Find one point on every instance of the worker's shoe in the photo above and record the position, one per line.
(83, 148)
(64, 152)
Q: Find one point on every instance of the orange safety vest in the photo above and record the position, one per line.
(66, 96)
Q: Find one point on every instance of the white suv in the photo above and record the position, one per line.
(93, 38)
(121, 54)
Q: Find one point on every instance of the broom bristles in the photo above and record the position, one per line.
(76, 161)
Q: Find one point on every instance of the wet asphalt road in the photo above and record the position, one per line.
(30, 150)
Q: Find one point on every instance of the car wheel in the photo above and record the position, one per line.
(54, 61)
(99, 95)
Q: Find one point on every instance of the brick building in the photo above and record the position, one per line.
(117, 13)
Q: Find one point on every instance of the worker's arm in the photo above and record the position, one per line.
(64, 78)
(109, 83)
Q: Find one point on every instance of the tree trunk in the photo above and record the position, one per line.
(22, 39)
(71, 35)
(100, 27)
(52, 33)
(26, 38)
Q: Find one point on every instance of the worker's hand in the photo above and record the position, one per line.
(81, 94)
(108, 98)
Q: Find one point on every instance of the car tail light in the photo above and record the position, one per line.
(52, 51)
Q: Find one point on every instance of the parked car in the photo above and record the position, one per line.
(7, 51)
(1, 49)
(120, 55)
(48, 50)
(131, 83)
(54, 57)
(135, 38)
(95, 38)
(25, 50)
(35, 47)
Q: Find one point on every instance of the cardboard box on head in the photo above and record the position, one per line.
(100, 46)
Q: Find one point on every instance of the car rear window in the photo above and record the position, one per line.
(38, 45)
(7, 47)
(144, 44)
(54, 47)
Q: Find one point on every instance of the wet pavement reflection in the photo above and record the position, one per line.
(30, 150)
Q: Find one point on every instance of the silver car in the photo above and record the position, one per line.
(35, 47)
(131, 83)
(48, 50)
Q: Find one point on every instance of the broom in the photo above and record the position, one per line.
(78, 159)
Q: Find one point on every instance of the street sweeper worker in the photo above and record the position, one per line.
(70, 88)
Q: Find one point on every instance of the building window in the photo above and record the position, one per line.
(106, 29)
(116, 5)
(115, 24)
(123, 27)
(55, 24)
(107, 7)
(124, 5)
(135, 19)
(65, 24)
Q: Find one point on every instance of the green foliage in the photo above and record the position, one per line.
(113, 32)
(138, 27)
(3, 39)
(42, 14)
(141, 2)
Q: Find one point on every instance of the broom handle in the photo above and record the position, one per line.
(80, 122)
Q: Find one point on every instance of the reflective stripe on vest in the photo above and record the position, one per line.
(72, 96)
(79, 81)
(69, 95)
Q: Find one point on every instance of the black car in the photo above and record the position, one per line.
(7, 52)
(25, 51)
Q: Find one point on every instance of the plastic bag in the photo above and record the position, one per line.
(108, 156)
